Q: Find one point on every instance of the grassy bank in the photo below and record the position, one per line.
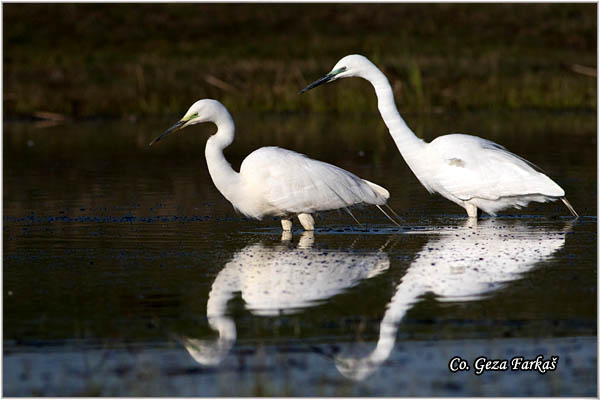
(82, 60)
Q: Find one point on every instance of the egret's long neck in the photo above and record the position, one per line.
(225, 178)
(406, 141)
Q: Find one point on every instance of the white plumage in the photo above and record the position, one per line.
(294, 183)
(470, 171)
(275, 181)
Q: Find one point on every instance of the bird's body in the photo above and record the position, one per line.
(274, 181)
(471, 171)
(282, 182)
(475, 173)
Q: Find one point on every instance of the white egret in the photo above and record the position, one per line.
(474, 173)
(275, 181)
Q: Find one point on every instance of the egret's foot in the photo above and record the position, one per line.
(286, 224)
(307, 221)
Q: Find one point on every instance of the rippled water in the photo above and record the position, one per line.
(127, 274)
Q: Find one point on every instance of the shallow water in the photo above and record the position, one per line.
(127, 274)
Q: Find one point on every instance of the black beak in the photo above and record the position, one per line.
(172, 129)
(325, 79)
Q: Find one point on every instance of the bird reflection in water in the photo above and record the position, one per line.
(457, 264)
(463, 264)
(279, 280)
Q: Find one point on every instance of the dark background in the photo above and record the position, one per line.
(121, 60)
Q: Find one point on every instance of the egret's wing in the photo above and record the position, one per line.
(294, 183)
(468, 166)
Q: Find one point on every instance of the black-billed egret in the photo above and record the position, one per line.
(275, 181)
(472, 172)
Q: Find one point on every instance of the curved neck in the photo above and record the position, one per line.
(224, 177)
(407, 142)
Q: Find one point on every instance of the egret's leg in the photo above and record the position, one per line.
(307, 221)
(471, 223)
(471, 210)
(286, 236)
(286, 224)
(570, 207)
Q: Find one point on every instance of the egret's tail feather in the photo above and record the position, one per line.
(390, 218)
(378, 189)
(353, 217)
(570, 207)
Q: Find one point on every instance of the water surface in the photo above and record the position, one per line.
(127, 274)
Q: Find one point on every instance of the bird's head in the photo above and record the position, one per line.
(352, 65)
(205, 110)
